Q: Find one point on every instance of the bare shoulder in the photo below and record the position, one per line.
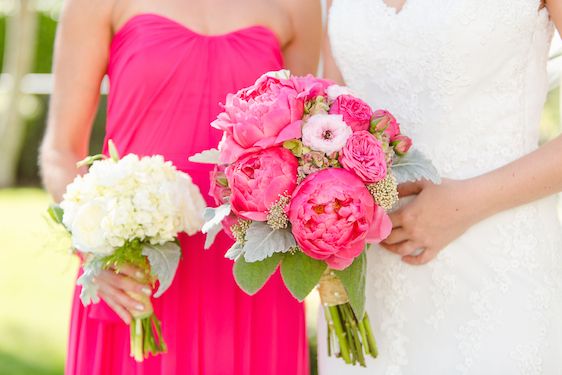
(81, 12)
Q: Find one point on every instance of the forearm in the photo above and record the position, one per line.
(532, 177)
(58, 169)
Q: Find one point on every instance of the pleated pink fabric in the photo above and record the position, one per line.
(166, 83)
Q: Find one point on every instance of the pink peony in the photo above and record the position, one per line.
(333, 215)
(259, 119)
(383, 120)
(401, 144)
(259, 178)
(363, 155)
(325, 133)
(356, 113)
(309, 87)
(219, 190)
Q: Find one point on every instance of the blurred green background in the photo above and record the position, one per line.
(36, 269)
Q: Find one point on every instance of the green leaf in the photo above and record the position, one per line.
(113, 153)
(262, 241)
(301, 273)
(353, 279)
(164, 261)
(415, 166)
(56, 213)
(251, 277)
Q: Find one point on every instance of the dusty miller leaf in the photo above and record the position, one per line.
(213, 218)
(301, 273)
(251, 277)
(164, 260)
(234, 252)
(262, 242)
(89, 292)
(415, 166)
(206, 157)
(353, 279)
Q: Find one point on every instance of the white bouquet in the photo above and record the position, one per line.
(130, 211)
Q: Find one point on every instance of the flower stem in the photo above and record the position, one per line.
(342, 340)
(370, 337)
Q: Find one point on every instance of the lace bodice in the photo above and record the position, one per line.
(466, 78)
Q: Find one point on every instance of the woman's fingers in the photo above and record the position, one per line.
(411, 188)
(126, 283)
(403, 248)
(417, 260)
(396, 236)
(133, 272)
(121, 297)
(119, 309)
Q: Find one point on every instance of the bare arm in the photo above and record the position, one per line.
(441, 213)
(331, 70)
(303, 50)
(81, 54)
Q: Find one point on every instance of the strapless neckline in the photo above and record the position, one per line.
(133, 19)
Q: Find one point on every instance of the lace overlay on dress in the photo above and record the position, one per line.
(467, 80)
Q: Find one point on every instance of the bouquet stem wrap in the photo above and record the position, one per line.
(146, 332)
(353, 337)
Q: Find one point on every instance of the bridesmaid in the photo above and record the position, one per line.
(170, 63)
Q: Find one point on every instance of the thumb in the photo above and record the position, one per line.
(411, 188)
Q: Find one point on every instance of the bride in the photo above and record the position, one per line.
(470, 280)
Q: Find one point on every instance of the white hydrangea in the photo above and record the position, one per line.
(134, 198)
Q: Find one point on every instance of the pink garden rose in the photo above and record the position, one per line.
(401, 144)
(363, 155)
(384, 121)
(333, 215)
(219, 189)
(258, 120)
(259, 178)
(356, 113)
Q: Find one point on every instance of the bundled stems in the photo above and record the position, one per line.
(146, 337)
(354, 337)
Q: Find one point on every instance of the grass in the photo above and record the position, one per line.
(36, 282)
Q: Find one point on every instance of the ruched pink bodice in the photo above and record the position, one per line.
(166, 83)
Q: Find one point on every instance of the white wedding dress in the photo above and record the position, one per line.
(467, 80)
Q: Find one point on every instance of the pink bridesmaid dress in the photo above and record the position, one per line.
(166, 83)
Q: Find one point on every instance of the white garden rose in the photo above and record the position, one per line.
(87, 233)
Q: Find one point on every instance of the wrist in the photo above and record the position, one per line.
(480, 200)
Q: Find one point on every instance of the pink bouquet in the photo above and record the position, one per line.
(306, 173)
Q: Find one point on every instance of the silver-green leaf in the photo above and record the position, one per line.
(353, 279)
(301, 273)
(206, 157)
(234, 252)
(262, 242)
(415, 166)
(251, 277)
(89, 292)
(213, 218)
(164, 260)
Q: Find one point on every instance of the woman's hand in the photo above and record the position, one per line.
(436, 216)
(118, 289)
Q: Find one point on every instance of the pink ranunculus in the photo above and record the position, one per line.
(383, 120)
(356, 113)
(325, 133)
(401, 144)
(266, 120)
(219, 189)
(332, 216)
(259, 178)
(364, 155)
